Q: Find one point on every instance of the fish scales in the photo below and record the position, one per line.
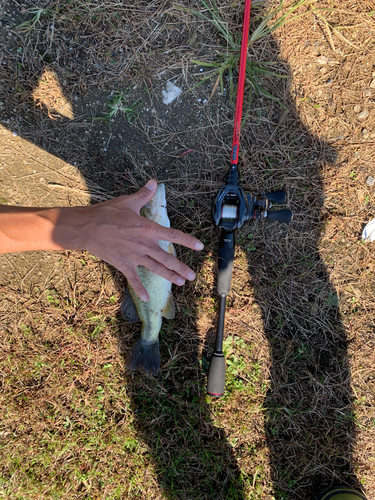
(145, 352)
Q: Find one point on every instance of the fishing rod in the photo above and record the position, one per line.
(232, 207)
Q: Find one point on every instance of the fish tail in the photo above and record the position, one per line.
(144, 355)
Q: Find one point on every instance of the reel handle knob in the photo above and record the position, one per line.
(285, 216)
(276, 197)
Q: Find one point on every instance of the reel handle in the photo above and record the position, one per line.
(276, 197)
(285, 216)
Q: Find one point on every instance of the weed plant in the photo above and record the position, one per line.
(118, 103)
(228, 60)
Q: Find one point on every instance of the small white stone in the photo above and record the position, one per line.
(370, 181)
(363, 115)
(357, 108)
(368, 233)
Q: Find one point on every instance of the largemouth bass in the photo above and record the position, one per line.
(145, 352)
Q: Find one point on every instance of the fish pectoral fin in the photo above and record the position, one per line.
(128, 310)
(169, 309)
(171, 249)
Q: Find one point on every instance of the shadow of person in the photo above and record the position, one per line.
(308, 407)
(192, 455)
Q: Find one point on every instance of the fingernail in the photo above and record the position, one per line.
(180, 281)
(191, 276)
(199, 246)
(151, 184)
(144, 298)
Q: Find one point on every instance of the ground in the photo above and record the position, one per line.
(82, 119)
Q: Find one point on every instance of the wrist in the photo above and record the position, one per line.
(70, 228)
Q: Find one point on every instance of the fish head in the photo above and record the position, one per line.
(156, 208)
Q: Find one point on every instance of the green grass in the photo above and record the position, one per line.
(38, 15)
(227, 62)
(119, 104)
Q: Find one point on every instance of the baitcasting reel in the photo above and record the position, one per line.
(233, 207)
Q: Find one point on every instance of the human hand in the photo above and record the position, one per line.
(116, 233)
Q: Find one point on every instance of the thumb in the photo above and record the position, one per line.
(144, 195)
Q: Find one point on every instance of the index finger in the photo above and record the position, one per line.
(176, 236)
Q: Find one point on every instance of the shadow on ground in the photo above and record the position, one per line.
(307, 410)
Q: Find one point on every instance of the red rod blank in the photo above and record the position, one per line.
(241, 83)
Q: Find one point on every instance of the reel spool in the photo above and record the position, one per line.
(229, 212)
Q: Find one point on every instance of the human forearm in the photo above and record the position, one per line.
(24, 229)
(113, 231)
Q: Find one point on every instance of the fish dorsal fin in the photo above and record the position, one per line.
(128, 310)
(171, 249)
(169, 309)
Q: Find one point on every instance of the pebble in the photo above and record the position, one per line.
(357, 108)
(370, 181)
(363, 115)
(368, 93)
(365, 133)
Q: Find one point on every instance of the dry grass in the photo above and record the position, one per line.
(298, 414)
